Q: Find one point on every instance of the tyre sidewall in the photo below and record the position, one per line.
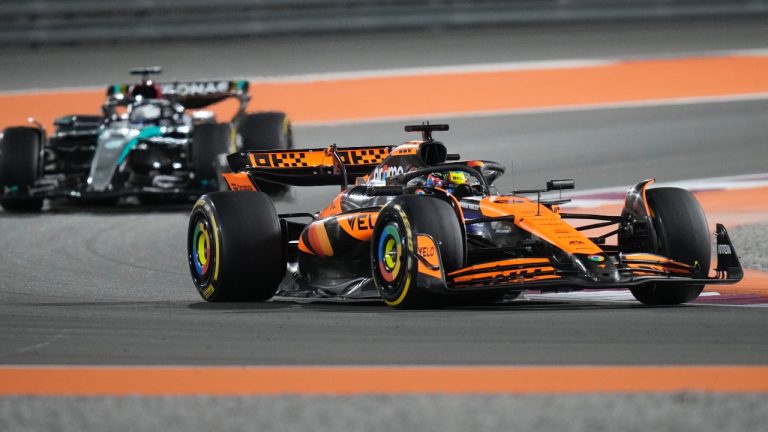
(416, 215)
(265, 131)
(400, 292)
(20, 166)
(682, 235)
(247, 259)
(209, 142)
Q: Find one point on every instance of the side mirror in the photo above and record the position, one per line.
(561, 184)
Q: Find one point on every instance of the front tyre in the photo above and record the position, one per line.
(235, 247)
(394, 257)
(683, 235)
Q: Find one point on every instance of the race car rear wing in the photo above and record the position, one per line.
(192, 94)
(309, 167)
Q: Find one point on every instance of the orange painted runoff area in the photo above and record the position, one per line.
(755, 282)
(731, 207)
(429, 95)
(157, 381)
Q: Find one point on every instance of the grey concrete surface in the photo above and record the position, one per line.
(99, 65)
(599, 148)
(751, 241)
(588, 413)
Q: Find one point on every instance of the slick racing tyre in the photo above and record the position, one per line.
(235, 247)
(394, 257)
(210, 142)
(20, 167)
(266, 131)
(683, 235)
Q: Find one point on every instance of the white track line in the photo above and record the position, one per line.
(594, 197)
(379, 73)
(502, 66)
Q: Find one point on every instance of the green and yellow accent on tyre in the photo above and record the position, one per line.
(392, 257)
(203, 247)
(235, 247)
(390, 252)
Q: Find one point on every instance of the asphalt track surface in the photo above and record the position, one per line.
(111, 286)
(87, 286)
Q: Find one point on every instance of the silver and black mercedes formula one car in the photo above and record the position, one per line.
(420, 227)
(153, 140)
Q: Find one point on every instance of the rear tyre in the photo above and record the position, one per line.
(210, 142)
(683, 235)
(394, 259)
(20, 167)
(266, 131)
(235, 247)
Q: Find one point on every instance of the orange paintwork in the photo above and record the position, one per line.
(651, 257)
(539, 221)
(427, 249)
(496, 264)
(518, 275)
(357, 380)
(333, 208)
(645, 199)
(358, 225)
(303, 247)
(475, 164)
(316, 158)
(409, 148)
(238, 182)
(318, 240)
(525, 273)
(658, 268)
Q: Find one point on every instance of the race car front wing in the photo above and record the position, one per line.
(596, 271)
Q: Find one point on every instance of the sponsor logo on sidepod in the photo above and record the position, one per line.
(383, 172)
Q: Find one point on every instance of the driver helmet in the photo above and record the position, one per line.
(146, 90)
(447, 180)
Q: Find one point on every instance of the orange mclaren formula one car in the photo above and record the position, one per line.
(421, 228)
